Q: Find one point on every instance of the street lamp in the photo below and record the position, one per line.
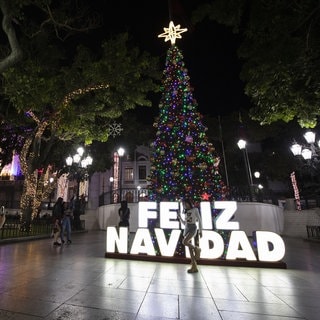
(120, 152)
(257, 174)
(111, 189)
(78, 170)
(242, 146)
(258, 186)
(138, 188)
(310, 152)
(306, 151)
(51, 180)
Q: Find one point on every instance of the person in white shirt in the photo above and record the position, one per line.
(192, 216)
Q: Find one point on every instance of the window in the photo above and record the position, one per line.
(128, 174)
(142, 173)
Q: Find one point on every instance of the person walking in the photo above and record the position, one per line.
(82, 204)
(57, 214)
(76, 213)
(66, 224)
(56, 231)
(192, 216)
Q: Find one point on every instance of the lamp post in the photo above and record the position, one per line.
(308, 151)
(309, 154)
(258, 186)
(257, 176)
(78, 165)
(138, 188)
(78, 170)
(120, 152)
(111, 188)
(242, 146)
(51, 180)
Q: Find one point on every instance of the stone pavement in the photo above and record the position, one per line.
(40, 281)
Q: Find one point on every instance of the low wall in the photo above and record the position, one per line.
(108, 216)
(251, 216)
(295, 222)
(91, 219)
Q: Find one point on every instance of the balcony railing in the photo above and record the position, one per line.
(239, 194)
(129, 194)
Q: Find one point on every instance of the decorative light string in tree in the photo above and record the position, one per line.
(82, 91)
(35, 189)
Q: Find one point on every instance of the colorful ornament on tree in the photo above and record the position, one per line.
(203, 166)
(205, 196)
(217, 162)
(190, 158)
(182, 158)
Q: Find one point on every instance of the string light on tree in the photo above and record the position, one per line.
(184, 163)
(81, 91)
(32, 184)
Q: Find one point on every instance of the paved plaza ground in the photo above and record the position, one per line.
(40, 281)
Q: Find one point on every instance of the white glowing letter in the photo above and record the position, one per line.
(276, 253)
(206, 217)
(142, 243)
(223, 220)
(239, 239)
(167, 249)
(168, 213)
(147, 210)
(113, 240)
(212, 245)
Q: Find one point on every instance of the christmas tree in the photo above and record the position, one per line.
(184, 163)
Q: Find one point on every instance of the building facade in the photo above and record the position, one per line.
(127, 180)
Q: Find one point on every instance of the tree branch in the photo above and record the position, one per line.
(7, 26)
(81, 91)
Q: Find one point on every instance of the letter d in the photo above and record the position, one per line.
(265, 253)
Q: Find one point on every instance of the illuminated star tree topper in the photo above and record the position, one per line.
(172, 33)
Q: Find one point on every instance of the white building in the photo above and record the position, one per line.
(127, 178)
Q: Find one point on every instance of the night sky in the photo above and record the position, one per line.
(209, 49)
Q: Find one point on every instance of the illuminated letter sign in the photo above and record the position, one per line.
(223, 220)
(212, 245)
(270, 246)
(239, 247)
(168, 217)
(264, 252)
(142, 243)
